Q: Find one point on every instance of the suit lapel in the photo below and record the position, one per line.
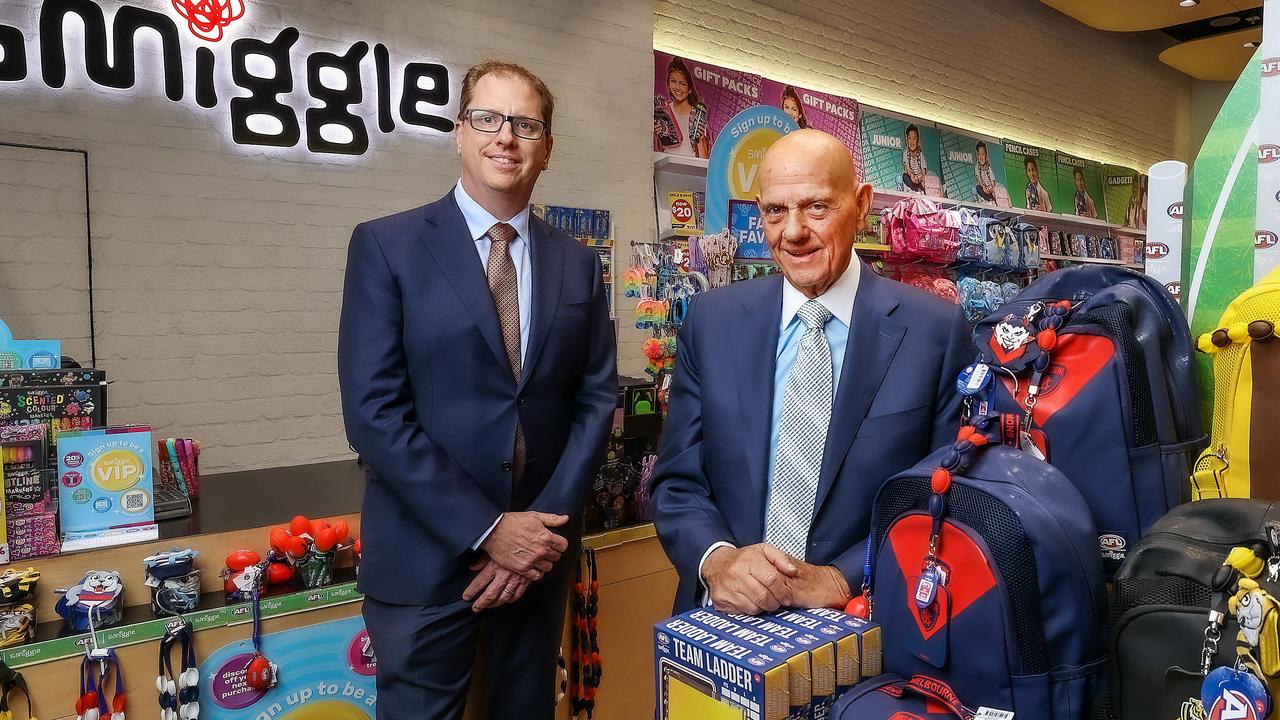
(760, 330)
(874, 338)
(449, 241)
(548, 274)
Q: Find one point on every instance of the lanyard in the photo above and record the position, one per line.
(179, 694)
(92, 703)
(585, 652)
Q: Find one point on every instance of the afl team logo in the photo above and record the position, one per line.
(1114, 543)
(1270, 67)
(1157, 250)
(1264, 240)
(1174, 288)
(1175, 210)
(1268, 153)
(1233, 705)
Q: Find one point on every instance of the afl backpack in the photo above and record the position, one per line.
(1243, 458)
(1090, 369)
(984, 577)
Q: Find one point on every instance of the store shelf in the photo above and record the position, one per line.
(679, 164)
(1091, 261)
(697, 167)
(54, 642)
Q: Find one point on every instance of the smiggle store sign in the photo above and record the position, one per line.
(330, 86)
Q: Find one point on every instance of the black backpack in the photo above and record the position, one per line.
(1163, 595)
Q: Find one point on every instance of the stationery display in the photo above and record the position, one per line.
(105, 488)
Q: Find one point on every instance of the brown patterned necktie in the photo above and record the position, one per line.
(505, 289)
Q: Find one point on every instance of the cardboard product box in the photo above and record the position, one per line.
(858, 642)
(32, 535)
(799, 665)
(62, 408)
(822, 658)
(702, 675)
(46, 378)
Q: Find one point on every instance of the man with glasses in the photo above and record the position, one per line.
(477, 365)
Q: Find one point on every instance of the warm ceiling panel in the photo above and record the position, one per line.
(1136, 15)
(1220, 57)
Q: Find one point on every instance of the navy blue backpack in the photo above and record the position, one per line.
(1093, 371)
(1009, 606)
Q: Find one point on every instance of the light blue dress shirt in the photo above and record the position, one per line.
(479, 221)
(839, 300)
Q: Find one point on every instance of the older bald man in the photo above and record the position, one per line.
(795, 397)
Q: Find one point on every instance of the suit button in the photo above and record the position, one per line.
(520, 402)
(506, 466)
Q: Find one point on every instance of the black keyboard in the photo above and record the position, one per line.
(171, 502)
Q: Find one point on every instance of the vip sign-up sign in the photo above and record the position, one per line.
(1266, 248)
(734, 172)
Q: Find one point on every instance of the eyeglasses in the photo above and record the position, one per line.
(489, 121)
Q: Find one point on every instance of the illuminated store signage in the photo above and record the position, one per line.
(264, 68)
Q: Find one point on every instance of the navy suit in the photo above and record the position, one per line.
(431, 406)
(895, 402)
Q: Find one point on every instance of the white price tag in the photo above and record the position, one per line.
(986, 713)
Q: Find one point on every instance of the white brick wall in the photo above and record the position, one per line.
(1010, 68)
(218, 270)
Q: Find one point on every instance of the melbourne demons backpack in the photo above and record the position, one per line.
(1243, 458)
(1090, 369)
(984, 576)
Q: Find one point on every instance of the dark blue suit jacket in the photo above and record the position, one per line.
(431, 405)
(896, 402)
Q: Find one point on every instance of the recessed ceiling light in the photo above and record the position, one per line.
(1224, 21)
(1188, 3)
(1251, 44)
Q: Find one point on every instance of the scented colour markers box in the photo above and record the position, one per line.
(857, 642)
(702, 675)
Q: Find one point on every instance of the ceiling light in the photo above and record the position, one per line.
(1224, 21)
(1188, 3)
(1251, 44)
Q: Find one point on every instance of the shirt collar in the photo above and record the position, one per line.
(479, 220)
(838, 298)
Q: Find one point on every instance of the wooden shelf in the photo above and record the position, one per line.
(1091, 261)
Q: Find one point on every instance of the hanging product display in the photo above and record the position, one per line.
(11, 680)
(179, 692)
(587, 667)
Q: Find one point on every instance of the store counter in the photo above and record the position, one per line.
(237, 510)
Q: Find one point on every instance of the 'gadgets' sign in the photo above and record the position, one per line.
(262, 118)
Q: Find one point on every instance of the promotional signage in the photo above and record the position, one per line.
(734, 170)
(1164, 222)
(837, 116)
(973, 169)
(901, 154)
(1031, 171)
(1125, 195)
(694, 101)
(1079, 187)
(326, 673)
(1266, 255)
(265, 117)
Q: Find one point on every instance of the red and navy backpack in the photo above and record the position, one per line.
(1092, 369)
(985, 577)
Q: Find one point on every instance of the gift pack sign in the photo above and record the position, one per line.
(104, 486)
